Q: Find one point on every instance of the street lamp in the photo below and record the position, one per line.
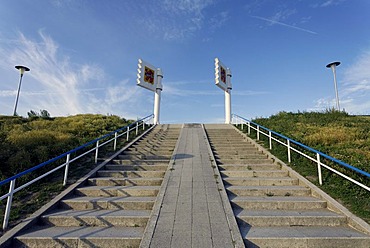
(332, 66)
(21, 69)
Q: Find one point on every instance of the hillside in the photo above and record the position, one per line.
(26, 142)
(337, 134)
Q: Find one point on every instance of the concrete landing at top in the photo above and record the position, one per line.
(192, 213)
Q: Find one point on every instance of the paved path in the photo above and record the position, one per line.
(192, 214)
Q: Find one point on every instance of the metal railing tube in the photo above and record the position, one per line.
(115, 142)
(258, 132)
(9, 204)
(270, 140)
(137, 128)
(96, 151)
(128, 133)
(66, 170)
(288, 146)
(319, 168)
(249, 128)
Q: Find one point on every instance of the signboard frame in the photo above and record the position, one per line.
(221, 75)
(147, 76)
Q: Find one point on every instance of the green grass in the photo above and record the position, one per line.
(337, 134)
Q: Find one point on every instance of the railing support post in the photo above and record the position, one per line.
(127, 133)
(270, 140)
(8, 204)
(96, 152)
(289, 156)
(143, 125)
(115, 141)
(66, 170)
(249, 128)
(319, 168)
(242, 126)
(137, 128)
(258, 132)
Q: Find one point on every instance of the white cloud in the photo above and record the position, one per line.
(327, 3)
(61, 86)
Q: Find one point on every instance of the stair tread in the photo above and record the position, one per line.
(110, 199)
(99, 213)
(249, 232)
(276, 198)
(258, 178)
(258, 187)
(288, 213)
(128, 187)
(83, 231)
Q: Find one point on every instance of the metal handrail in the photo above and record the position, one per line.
(240, 120)
(11, 180)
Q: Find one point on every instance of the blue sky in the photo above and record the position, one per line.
(83, 56)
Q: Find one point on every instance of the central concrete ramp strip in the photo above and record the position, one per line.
(191, 213)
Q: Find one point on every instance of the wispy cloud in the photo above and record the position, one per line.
(174, 19)
(60, 85)
(274, 21)
(327, 3)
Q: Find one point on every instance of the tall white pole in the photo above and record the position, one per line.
(228, 97)
(332, 66)
(157, 96)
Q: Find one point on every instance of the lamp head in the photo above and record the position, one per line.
(22, 68)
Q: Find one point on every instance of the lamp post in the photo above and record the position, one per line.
(332, 66)
(21, 69)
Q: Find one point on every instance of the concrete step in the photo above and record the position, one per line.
(128, 218)
(41, 236)
(113, 181)
(253, 173)
(241, 157)
(142, 161)
(316, 217)
(130, 174)
(278, 202)
(144, 157)
(311, 236)
(242, 181)
(244, 161)
(225, 167)
(146, 154)
(268, 190)
(118, 191)
(127, 203)
(136, 167)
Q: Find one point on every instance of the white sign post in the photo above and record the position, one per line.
(223, 80)
(150, 77)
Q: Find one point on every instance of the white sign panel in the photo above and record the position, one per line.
(147, 75)
(220, 73)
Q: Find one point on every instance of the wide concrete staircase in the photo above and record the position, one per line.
(273, 208)
(113, 208)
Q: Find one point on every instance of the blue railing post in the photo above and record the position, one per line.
(96, 151)
(9, 204)
(66, 170)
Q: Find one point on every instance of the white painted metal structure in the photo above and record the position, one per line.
(150, 77)
(223, 81)
(332, 66)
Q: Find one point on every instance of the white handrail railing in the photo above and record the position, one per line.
(117, 133)
(272, 136)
